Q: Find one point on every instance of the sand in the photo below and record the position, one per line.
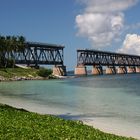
(113, 126)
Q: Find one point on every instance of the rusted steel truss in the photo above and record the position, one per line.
(95, 57)
(38, 54)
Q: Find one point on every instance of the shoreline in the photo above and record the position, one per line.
(20, 74)
(97, 123)
(39, 126)
(24, 78)
(112, 128)
(19, 78)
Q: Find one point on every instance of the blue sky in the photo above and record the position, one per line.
(59, 22)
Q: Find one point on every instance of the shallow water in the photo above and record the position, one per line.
(110, 102)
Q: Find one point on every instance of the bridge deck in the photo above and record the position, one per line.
(95, 57)
(43, 45)
(38, 53)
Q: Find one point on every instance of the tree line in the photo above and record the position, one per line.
(8, 46)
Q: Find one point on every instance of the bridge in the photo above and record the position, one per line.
(114, 62)
(39, 54)
(35, 54)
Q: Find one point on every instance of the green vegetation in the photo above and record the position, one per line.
(30, 73)
(44, 72)
(12, 72)
(17, 124)
(9, 45)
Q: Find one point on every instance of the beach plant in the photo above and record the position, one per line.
(19, 124)
(19, 72)
(44, 72)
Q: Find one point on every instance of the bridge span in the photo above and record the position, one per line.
(113, 62)
(35, 54)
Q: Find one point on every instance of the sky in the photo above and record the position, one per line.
(110, 25)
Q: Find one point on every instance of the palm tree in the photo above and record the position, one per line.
(21, 43)
(0, 50)
(14, 43)
(11, 42)
(3, 50)
(9, 45)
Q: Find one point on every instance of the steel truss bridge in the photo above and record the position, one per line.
(38, 53)
(100, 58)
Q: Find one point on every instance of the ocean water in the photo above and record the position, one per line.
(109, 102)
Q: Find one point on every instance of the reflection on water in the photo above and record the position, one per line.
(115, 97)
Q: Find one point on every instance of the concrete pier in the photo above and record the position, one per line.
(80, 70)
(97, 70)
(137, 69)
(59, 70)
(131, 70)
(112, 61)
(110, 70)
(122, 70)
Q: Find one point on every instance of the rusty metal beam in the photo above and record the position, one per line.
(95, 57)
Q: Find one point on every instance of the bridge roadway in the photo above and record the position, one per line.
(114, 62)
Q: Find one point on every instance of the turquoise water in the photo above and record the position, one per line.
(112, 101)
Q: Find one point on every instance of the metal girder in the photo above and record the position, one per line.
(95, 57)
(38, 53)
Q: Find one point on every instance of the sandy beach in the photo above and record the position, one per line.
(113, 127)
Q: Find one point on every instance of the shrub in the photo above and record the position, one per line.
(44, 72)
(10, 63)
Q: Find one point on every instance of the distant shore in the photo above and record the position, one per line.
(19, 74)
(19, 78)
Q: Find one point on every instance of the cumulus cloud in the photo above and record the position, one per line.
(100, 29)
(107, 5)
(131, 44)
(102, 22)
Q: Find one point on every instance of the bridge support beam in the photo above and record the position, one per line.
(137, 69)
(131, 70)
(59, 70)
(122, 70)
(80, 70)
(110, 70)
(97, 70)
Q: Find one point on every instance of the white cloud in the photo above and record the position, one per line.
(102, 22)
(131, 44)
(107, 5)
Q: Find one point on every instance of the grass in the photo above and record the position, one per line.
(12, 72)
(19, 124)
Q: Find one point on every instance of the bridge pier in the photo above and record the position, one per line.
(131, 70)
(59, 70)
(110, 70)
(97, 70)
(122, 70)
(137, 69)
(80, 70)
(114, 62)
